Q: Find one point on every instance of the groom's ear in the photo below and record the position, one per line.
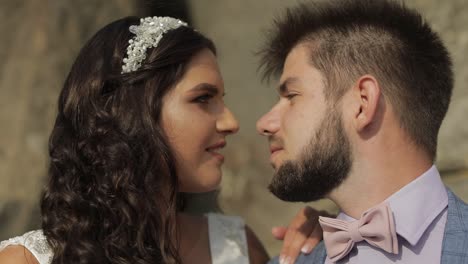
(366, 96)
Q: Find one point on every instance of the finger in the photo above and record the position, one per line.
(299, 240)
(287, 241)
(279, 232)
(297, 233)
(314, 238)
(289, 237)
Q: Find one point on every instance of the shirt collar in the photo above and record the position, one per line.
(416, 205)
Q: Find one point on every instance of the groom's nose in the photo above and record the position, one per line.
(269, 123)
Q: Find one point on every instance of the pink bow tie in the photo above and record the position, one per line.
(376, 226)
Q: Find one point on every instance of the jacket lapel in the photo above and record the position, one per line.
(455, 243)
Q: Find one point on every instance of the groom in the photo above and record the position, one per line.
(364, 88)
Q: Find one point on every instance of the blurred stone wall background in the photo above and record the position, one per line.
(41, 39)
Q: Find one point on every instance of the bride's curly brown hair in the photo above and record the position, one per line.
(112, 194)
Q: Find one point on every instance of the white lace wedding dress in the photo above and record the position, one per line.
(228, 242)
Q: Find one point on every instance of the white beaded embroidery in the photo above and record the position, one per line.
(147, 35)
(35, 242)
(228, 242)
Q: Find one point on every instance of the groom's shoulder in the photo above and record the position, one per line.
(316, 256)
(456, 231)
(457, 210)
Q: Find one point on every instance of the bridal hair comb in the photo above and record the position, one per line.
(147, 35)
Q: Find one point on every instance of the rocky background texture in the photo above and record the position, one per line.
(41, 39)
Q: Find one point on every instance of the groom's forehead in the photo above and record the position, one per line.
(299, 61)
(286, 83)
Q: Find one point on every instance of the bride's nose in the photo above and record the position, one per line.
(227, 123)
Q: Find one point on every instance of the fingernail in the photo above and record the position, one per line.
(281, 259)
(305, 249)
(288, 260)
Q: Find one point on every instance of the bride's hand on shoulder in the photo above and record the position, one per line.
(17, 255)
(302, 234)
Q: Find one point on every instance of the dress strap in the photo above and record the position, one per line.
(228, 242)
(35, 242)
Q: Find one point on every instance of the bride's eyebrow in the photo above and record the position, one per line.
(206, 87)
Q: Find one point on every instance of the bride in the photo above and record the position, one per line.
(141, 120)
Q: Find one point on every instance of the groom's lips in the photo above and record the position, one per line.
(274, 150)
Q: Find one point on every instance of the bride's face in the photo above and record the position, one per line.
(197, 122)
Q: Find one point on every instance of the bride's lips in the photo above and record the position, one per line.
(215, 147)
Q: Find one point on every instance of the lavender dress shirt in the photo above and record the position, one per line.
(420, 213)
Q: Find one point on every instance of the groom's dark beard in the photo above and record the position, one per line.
(323, 166)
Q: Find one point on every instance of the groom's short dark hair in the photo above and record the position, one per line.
(384, 38)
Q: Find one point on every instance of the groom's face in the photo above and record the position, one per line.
(309, 148)
(299, 111)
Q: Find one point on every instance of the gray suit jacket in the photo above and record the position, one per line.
(454, 246)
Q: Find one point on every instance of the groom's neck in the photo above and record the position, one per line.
(376, 175)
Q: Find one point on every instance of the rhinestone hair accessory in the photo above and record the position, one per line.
(147, 35)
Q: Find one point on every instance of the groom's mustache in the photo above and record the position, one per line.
(275, 143)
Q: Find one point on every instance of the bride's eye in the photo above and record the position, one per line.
(203, 99)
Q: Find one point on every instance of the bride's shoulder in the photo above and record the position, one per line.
(232, 222)
(29, 248)
(234, 228)
(17, 255)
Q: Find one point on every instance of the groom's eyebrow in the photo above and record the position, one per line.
(283, 87)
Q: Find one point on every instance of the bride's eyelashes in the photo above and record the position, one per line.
(204, 98)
